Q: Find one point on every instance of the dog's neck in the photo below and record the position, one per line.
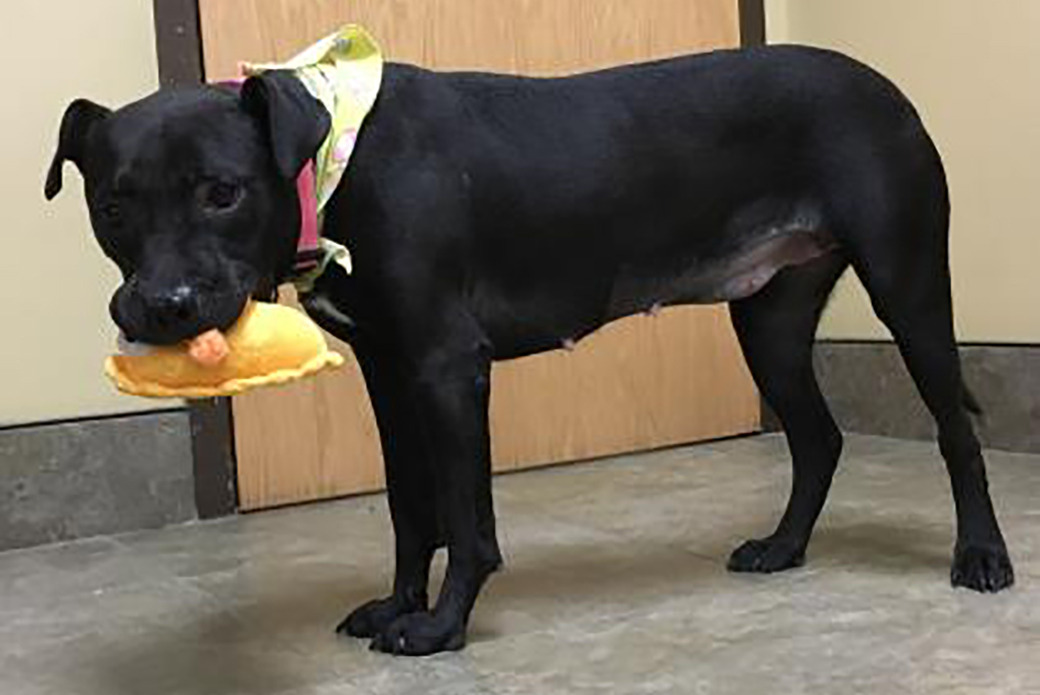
(343, 71)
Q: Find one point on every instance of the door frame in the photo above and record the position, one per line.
(178, 44)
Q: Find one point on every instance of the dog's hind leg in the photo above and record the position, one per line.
(906, 273)
(776, 328)
(409, 479)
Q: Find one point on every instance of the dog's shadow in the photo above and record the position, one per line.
(654, 570)
(909, 550)
(258, 649)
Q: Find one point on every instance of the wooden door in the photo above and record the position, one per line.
(639, 383)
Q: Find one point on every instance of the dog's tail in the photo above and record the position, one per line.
(971, 404)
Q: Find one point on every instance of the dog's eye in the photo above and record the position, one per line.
(220, 196)
(111, 212)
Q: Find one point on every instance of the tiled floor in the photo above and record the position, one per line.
(615, 583)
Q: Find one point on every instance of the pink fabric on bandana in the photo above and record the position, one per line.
(307, 244)
(307, 254)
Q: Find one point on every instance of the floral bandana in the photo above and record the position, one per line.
(343, 71)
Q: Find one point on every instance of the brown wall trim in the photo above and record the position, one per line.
(213, 456)
(178, 48)
(178, 43)
(752, 23)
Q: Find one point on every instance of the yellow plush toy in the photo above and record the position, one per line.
(270, 344)
(273, 344)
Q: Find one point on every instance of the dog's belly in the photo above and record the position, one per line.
(565, 312)
(734, 275)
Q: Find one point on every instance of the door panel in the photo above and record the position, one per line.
(639, 383)
(541, 37)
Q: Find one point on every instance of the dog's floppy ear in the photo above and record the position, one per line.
(296, 123)
(79, 118)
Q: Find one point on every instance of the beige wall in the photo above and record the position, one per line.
(54, 282)
(973, 70)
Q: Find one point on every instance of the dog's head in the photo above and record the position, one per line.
(192, 193)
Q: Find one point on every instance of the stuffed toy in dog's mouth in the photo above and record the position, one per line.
(269, 344)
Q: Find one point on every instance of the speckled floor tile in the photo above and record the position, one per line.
(615, 583)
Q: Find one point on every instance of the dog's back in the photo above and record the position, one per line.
(692, 179)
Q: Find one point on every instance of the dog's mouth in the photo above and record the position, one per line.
(266, 290)
(173, 316)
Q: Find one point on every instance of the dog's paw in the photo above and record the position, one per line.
(766, 555)
(985, 568)
(419, 634)
(369, 619)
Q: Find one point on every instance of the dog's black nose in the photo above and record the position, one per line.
(173, 309)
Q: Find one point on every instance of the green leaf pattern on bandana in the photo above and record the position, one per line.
(343, 71)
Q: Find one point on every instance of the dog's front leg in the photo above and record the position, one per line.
(408, 463)
(452, 392)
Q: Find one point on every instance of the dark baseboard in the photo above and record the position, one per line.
(869, 391)
(88, 477)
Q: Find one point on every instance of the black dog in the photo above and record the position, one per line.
(492, 216)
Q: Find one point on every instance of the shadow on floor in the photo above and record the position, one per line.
(871, 547)
(259, 646)
(229, 649)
